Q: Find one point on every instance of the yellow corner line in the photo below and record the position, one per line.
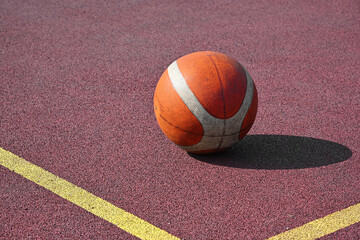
(323, 226)
(144, 230)
(82, 198)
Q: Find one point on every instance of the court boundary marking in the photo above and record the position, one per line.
(145, 230)
(323, 226)
(82, 198)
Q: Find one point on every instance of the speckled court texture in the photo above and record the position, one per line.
(77, 80)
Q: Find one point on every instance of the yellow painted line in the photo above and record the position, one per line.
(82, 198)
(323, 226)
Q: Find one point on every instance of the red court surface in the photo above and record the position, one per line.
(76, 98)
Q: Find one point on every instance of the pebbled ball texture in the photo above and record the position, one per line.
(205, 102)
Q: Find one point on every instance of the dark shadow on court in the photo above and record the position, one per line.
(279, 152)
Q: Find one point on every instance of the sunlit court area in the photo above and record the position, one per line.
(192, 120)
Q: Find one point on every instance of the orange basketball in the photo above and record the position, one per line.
(205, 102)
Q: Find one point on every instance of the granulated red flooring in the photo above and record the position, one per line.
(76, 87)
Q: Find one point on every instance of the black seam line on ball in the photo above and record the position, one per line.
(223, 98)
(224, 135)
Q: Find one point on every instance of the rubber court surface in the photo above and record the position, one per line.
(80, 148)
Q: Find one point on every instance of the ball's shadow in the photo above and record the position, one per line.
(279, 152)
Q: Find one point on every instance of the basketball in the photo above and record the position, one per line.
(205, 102)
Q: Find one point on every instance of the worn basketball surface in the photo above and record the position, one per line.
(205, 102)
